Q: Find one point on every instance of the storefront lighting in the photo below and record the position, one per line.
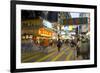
(44, 32)
(62, 27)
(23, 37)
(26, 36)
(30, 36)
(70, 27)
(58, 27)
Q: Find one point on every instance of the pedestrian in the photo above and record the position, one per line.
(85, 48)
(59, 45)
(78, 47)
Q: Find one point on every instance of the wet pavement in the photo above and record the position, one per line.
(51, 53)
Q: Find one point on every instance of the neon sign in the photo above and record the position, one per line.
(44, 32)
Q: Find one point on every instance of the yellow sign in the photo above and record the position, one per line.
(44, 32)
(70, 27)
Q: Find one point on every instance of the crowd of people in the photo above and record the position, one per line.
(80, 43)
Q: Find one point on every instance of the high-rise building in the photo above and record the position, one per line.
(85, 27)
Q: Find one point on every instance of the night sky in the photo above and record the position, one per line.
(29, 14)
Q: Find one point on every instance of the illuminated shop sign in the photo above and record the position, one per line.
(44, 32)
(47, 24)
(76, 21)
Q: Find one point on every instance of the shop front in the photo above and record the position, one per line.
(44, 37)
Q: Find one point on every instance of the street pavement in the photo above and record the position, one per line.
(51, 54)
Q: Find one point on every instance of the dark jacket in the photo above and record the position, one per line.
(59, 43)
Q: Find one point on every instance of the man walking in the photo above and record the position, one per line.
(59, 45)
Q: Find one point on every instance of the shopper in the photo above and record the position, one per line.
(59, 45)
(78, 47)
(85, 48)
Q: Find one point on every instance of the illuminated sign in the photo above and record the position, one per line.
(47, 24)
(76, 21)
(44, 32)
(70, 27)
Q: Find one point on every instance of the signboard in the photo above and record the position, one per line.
(76, 21)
